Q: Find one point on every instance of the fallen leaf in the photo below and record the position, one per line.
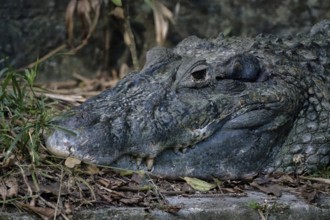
(198, 184)
(103, 182)
(45, 213)
(269, 190)
(92, 169)
(3, 191)
(170, 208)
(129, 201)
(13, 187)
(138, 178)
(7, 161)
(118, 13)
(106, 197)
(287, 179)
(309, 196)
(71, 162)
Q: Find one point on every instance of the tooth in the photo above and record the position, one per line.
(138, 161)
(184, 149)
(150, 163)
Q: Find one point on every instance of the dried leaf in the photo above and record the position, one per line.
(71, 162)
(106, 197)
(7, 161)
(44, 213)
(92, 169)
(89, 12)
(309, 196)
(174, 209)
(250, 176)
(129, 201)
(13, 187)
(138, 178)
(287, 179)
(3, 190)
(269, 190)
(162, 16)
(69, 21)
(198, 184)
(51, 188)
(68, 208)
(118, 13)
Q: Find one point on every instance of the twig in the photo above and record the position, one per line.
(45, 57)
(59, 193)
(129, 39)
(25, 181)
(216, 195)
(261, 215)
(69, 98)
(110, 191)
(156, 190)
(317, 179)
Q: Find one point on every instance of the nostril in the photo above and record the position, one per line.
(218, 78)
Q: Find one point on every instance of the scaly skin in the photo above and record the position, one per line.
(225, 107)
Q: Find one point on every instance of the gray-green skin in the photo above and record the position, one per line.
(226, 107)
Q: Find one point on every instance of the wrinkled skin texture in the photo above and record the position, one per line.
(221, 107)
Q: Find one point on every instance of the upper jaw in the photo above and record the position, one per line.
(58, 143)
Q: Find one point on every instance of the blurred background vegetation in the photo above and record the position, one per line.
(108, 38)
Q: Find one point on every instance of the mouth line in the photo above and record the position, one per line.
(63, 144)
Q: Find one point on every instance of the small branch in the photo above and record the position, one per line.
(59, 193)
(317, 179)
(262, 216)
(129, 39)
(48, 55)
(157, 191)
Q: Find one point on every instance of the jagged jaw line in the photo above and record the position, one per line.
(65, 144)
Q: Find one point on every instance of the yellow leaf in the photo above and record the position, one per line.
(92, 169)
(72, 162)
(198, 184)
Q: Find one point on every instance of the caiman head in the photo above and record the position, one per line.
(222, 107)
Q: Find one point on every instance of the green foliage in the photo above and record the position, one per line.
(323, 173)
(24, 115)
(117, 2)
(254, 205)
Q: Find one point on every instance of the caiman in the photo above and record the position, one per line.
(227, 107)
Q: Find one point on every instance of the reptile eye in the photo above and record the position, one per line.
(196, 76)
(199, 74)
